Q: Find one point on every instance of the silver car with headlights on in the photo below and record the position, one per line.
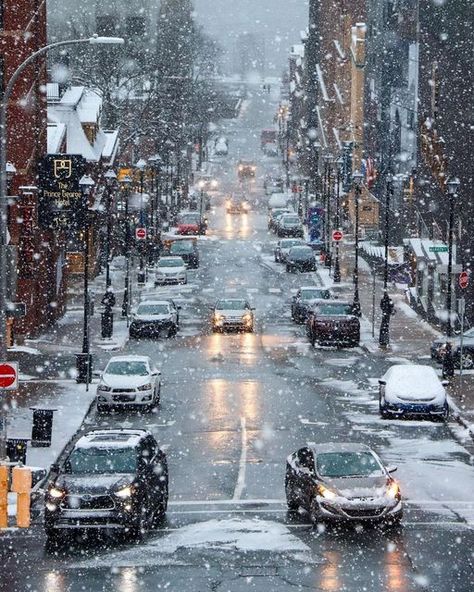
(342, 482)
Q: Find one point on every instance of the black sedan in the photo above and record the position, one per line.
(300, 259)
(304, 299)
(438, 348)
(333, 322)
(342, 482)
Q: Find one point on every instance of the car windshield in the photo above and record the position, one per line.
(314, 294)
(287, 244)
(189, 219)
(153, 309)
(181, 247)
(170, 262)
(347, 464)
(469, 333)
(335, 309)
(127, 368)
(97, 461)
(301, 253)
(290, 220)
(234, 304)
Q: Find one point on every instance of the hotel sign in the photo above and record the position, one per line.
(60, 200)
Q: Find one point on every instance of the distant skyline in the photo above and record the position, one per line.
(279, 21)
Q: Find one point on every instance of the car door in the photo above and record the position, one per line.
(305, 475)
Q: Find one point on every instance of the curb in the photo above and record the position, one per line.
(456, 413)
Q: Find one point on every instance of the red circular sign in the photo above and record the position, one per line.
(463, 280)
(8, 375)
(140, 233)
(337, 235)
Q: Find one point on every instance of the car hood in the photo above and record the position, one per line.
(335, 318)
(92, 484)
(232, 313)
(151, 318)
(357, 487)
(170, 270)
(115, 381)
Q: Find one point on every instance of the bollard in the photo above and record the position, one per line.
(42, 427)
(3, 496)
(83, 365)
(21, 485)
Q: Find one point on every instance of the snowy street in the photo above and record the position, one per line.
(233, 407)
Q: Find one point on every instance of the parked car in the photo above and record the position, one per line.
(300, 259)
(412, 389)
(170, 270)
(283, 247)
(129, 381)
(233, 314)
(191, 223)
(154, 318)
(113, 479)
(186, 249)
(273, 216)
(221, 146)
(289, 225)
(305, 298)
(333, 322)
(438, 348)
(343, 482)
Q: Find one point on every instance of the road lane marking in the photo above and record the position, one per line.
(239, 487)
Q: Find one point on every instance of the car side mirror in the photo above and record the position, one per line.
(445, 382)
(179, 307)
(253, 308)
(392, 469)
(54, 468)
(382, 382)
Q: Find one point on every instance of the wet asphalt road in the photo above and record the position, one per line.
(233, 407)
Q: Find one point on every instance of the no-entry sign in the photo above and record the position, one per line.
(9, 375)
(337, 235)
(140, 233)
(463, 280)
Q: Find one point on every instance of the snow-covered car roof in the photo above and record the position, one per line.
(412, 381)
(111, 439)
(131, 357)
(154, 302)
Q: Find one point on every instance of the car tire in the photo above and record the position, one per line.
(53, 536)
(314, 513)
(173, 330)
(138, 530)
(292, 502)
(383, 412)
(468, 361)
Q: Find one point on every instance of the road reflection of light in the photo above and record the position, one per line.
(395, 571)
(127, 580)
(54, 582)
(215, 345)
(330, 572)
(229, 226)
(248, 353)
(250, 402)
(244, 226)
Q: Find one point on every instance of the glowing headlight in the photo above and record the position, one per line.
(326, 493)
(55, 493)
(125, 492)
(214, 183)
(247, 318)
(393, 490)
(145, 387)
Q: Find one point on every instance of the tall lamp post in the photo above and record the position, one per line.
(84, 361)
(156, 161)
(448, 362)
(328, 158)
(357, 182)
(110, 180)
(337, 266)
(126, 184)
(386, 304)
(5, 98)
(141, 276)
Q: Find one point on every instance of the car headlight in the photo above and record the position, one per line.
(104, 388)
(145, 387)
(247, 318)
(393, 490)
(125, 492)
(326, 493)
(55, 492)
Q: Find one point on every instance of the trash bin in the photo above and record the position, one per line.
(107, 324)
(16, 449)
(83, 364)
(42, 427)
(141, 276)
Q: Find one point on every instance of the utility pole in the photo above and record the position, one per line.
(312, 94)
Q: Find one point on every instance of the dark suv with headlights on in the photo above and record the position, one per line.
(333, 322)
(113, 479)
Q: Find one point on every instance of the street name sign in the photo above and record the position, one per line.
(463, 280)
(337, 235)
(438, 249)
(9, 376)
(140, 233)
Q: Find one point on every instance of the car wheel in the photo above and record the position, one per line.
(314, 513)
(140, 527)
(383, 412)
(173, 330)
(132, 334)
(467, 361)
(291, 499)
(53, 536)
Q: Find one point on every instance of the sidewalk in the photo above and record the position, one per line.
(410, 335)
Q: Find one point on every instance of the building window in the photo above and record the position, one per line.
(136, 26)
(1, 14)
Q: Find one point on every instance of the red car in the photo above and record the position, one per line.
(332, 322)
(191, 223)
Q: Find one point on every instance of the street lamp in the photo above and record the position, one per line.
(84, 364)
(357, 182)
(328, 158)
(141, 276)
(448, 363)
(126, 183)
(110, 179)
(155, 162)
(201, 185)
(337, 267)
(5, 98)
(386, 303)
